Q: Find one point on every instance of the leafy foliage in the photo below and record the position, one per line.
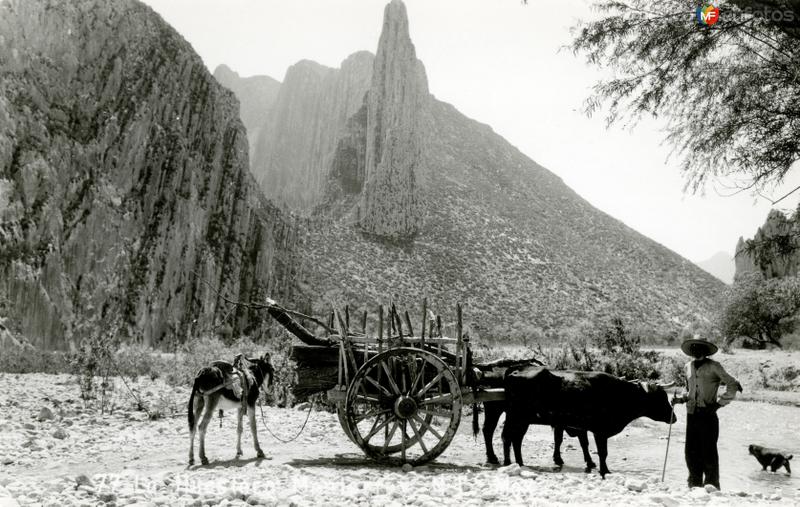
(761, 310)
(730, 91)
(612, 349)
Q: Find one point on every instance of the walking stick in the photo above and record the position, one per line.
(669, 436)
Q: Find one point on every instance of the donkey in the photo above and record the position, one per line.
(223, 385)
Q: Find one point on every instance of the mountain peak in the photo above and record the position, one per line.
(224, 71)
(394, 106)
(395, 32)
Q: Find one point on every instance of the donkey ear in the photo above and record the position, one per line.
(265, 357)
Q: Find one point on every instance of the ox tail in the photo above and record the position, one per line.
(475, 424)
(475, 410)
(190, 408)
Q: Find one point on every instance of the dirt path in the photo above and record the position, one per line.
(127, 459)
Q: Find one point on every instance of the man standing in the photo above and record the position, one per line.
(703, 377)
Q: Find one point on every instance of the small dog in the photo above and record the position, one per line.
(772, 458)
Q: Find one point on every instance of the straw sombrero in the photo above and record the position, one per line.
(710, 348)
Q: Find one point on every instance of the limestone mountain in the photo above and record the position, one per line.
(779, 255)
(411, 198)
(300, 133)
(721, 265)
(256, 95)
(124, 180)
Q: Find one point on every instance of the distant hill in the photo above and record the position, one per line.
(406, 197)
(721, 265)
(256, 96)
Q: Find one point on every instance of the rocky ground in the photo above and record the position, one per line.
(55, 451)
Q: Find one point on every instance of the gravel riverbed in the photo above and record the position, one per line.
(53, 451)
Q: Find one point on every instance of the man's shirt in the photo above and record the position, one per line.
(703, 378)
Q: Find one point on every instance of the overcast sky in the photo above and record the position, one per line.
(501, 63)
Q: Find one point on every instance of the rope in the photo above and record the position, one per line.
(276, 437)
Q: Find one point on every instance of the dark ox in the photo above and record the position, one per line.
(492, 375)
(589, 401)
(224, 385)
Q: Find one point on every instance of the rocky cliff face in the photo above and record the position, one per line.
(395, 104)
(256, 96)
(124, 179)
(779, 257)
(294, 152)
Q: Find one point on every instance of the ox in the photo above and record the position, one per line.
(492, 375)
(589, 401)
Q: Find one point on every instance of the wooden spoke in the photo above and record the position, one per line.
(403, 437)
(376, 384)
(389, 377)
(430, 384)
(370, 399)
(417, 376)
(390, 436)
(426, 426)
(418, 436)
(371, 413)
(377, 427)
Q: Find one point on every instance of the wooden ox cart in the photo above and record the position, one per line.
(398, 393)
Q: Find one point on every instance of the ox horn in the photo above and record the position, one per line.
(667, 385)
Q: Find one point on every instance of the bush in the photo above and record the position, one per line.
(761, 311)
(785, 378)
(673, 370)
(135, 360)
(28, 359)
(611, 349)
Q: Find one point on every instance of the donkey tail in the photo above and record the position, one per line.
(190, 408)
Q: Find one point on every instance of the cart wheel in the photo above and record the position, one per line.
(342, 414)
(405, 401)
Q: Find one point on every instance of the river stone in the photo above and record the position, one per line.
(60, 434)
(637, 485)
(83, 480)
(45, 414)
(511, 470)
(665, 500)
(258, 499)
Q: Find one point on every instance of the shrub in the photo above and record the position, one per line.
(611, 349)
(133, 360)
(28, 359)
(672, 370)
(761, 311)
(778, 378)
